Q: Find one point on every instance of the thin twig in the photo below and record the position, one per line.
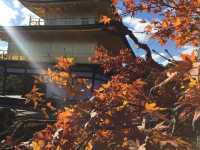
(171, 77)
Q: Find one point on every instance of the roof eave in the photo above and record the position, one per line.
(55, 27)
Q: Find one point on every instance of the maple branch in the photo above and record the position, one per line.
(169, 60)
(115, 28)
(164, 3)
(119, 28)
(170, 78)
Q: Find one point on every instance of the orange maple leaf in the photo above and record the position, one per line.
(162, 41)
(104, 133)
(145, 7)
(189, 57)
(151, 106)
(165, 24)
(148, 28)
(177, 21)
(105, 20)
(114, 2)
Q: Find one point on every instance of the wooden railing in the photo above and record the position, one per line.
(5, 56)
(48, 58)
(63, 21)
(36, 21)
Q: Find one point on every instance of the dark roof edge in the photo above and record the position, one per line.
(49, 1)
(55, 27)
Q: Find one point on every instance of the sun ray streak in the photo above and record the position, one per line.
(23, 46)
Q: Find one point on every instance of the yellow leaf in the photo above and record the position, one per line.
(177, 22)
(89, 146)
(89, 86)
(70, 59)
(58, 148)
(107, 85)
(182, 87)
(151, 106)
(193, 57)
(35, 146)
(125, 142)
(109, 113)
(165, 24)
(125, 103)
(192, 83)
(101, 89)
(64, 74)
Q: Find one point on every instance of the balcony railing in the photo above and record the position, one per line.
(4, 56)
(63, 21)
(48, 58)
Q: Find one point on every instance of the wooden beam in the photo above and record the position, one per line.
(4, 80)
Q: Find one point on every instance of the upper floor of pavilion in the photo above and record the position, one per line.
(67, 12)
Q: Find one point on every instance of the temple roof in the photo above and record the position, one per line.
(46, 27)
(40, 7)
(55, 1)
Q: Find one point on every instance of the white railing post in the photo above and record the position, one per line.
(30, 21)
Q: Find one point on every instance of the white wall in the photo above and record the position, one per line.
(78, 43)
(49, 50)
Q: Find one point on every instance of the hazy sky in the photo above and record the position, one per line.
(12, 13)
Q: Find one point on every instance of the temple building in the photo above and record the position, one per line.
(64, 28)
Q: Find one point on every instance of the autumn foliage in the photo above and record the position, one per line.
(141, 106)
(178, 20)
(128, 111)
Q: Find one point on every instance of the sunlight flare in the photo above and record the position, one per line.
(24, 47)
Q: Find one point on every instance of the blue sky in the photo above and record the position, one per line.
(12, 13)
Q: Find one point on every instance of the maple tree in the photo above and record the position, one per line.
(177, 20)
(143, 105)
(121, 115)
